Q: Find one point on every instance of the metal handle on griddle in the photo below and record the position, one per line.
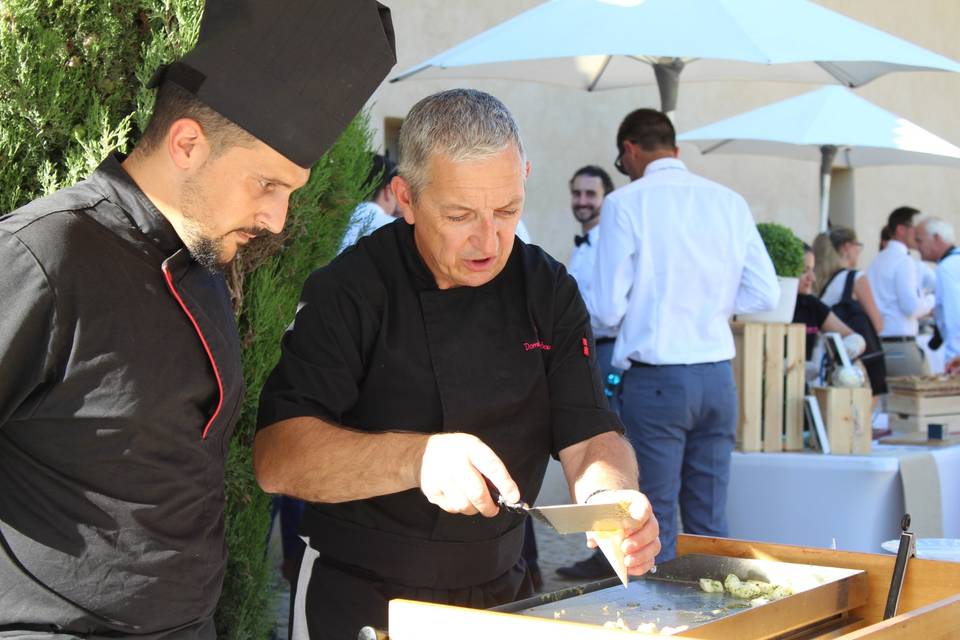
(372, 633)
(905, 551)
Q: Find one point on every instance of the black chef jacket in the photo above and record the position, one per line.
(119, 384)
(377, 346)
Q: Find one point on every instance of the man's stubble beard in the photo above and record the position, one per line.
(194, 206)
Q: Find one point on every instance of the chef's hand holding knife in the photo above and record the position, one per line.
(641, 542)
(452, 473)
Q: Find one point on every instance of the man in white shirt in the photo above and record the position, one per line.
(379, 209)
(896, 281)
(588, 187)
(678, 256)
(935, 240)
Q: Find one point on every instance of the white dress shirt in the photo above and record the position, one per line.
(678, 255)
(947, 309)
(582, 263)
(896, 289)
(365, 219)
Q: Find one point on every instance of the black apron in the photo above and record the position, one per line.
(467, 359)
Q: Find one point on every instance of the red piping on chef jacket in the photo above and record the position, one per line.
(206, 347)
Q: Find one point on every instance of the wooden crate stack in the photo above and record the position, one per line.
(769, 372)
(916, 401)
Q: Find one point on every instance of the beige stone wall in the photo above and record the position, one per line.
(564, 129)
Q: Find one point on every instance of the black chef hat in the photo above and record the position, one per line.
(293, 73)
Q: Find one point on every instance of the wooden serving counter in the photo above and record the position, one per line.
(929, 604)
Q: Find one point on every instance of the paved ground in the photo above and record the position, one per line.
(555, 550)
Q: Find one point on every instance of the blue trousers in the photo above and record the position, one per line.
(681, 420)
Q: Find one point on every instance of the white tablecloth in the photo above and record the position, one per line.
(810, 499)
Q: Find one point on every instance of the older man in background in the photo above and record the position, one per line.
(936, 243)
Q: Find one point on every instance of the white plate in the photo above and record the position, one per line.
(930, 548)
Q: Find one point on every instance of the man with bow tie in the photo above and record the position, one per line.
(588, 187)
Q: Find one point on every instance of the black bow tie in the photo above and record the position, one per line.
(579, 240)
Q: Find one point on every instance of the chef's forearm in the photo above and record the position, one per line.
(314, 460)
(605, 461)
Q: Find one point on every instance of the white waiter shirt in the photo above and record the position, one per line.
(678, 255)
(582, 263)
(896, 288)
(947, 309)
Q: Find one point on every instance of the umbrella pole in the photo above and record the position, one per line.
(827, 153)
(667, 72)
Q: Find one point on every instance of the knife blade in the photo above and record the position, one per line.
(575, 518)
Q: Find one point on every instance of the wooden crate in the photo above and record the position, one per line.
(769, 372)
(847, 417)
(911, 412)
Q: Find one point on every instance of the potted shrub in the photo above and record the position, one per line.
(786, 252)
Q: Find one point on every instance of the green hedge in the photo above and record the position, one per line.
(72, 89)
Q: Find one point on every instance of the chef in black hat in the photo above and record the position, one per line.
(439, 356)
(120, 378)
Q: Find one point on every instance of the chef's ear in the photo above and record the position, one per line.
(526, 173)
(403, 192)
(187, 144)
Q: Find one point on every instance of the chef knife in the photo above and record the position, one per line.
(575, 518)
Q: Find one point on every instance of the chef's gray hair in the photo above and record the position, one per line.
(939, 227)
(461, 124)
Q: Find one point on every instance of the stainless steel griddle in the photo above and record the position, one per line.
(672, 598)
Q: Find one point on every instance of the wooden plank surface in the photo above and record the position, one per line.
(794, 389)
(937, 621)
(902, 423)
(773, 344)
(411, 620)
(920, 405)
(750, 387)
(926, 582)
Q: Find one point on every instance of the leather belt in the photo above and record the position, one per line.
(898, 339)
(600, 341)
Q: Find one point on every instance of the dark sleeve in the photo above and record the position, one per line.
(321, 354)
(26, 324)
(578, 406)
(820, 311)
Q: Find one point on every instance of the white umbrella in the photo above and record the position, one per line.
(831, 125)
(608, 44)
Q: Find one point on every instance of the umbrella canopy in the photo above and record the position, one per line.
(831, 125)
(608, 44)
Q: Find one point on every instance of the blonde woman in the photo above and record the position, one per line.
(837, 252)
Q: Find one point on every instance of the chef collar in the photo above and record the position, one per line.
(115, 183)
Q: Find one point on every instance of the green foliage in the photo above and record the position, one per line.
(73, 77)
(785, 249)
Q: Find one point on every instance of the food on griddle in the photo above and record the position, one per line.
(711, 586)
(756, 591)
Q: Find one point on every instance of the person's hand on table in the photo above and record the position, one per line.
(452, 474)
(641, 532)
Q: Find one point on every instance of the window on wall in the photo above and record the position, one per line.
(391, 138)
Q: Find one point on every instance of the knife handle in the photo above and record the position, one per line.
(520, 507)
